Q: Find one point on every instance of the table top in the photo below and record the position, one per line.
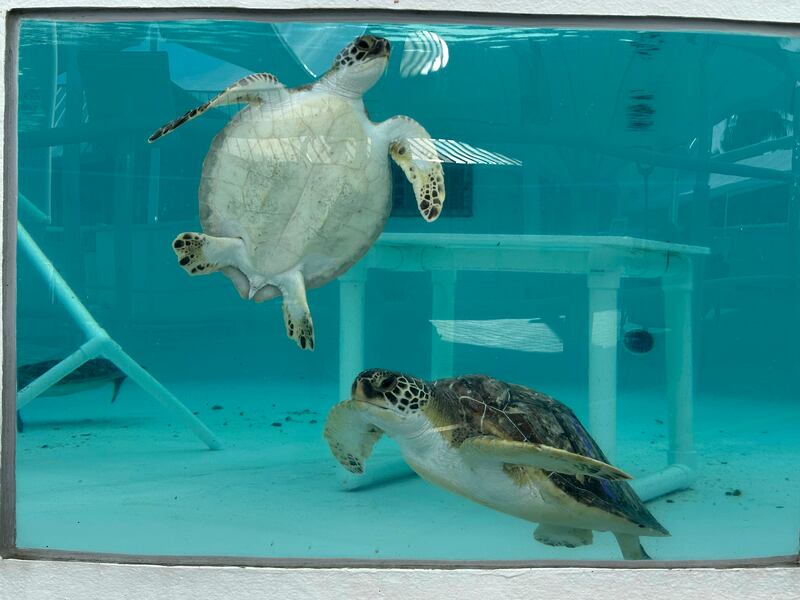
(574, 243)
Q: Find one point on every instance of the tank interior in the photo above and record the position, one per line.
(621, 231)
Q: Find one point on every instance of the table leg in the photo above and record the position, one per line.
(352, 292)
(603, 333)
(678, 346)
(442, 309)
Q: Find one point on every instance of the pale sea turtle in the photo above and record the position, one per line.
(297, 186)
(505, 446)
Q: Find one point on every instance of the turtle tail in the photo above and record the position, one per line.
(631, 547)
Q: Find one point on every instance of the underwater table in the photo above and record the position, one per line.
(605, 261)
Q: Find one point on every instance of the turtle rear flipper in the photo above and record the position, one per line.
(630, 547)
(254, 89)
(349, 435)
(483, 448)
(296, 314)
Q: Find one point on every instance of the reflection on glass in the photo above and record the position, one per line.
(635, 192)
(524, 335)
(423, 52)
(465, 154)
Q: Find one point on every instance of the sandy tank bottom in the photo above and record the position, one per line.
(125, 477)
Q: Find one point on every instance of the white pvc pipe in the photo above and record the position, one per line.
(56, 373)
(30, 210)
(603, 329)
(113, 352)
(660, 483)
(59, 286)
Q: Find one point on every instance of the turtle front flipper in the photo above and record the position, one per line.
(257, 88)
(557, 535)
(200, 254)
(296, 314)
(483, 448)
(411, 147)
(350, 436)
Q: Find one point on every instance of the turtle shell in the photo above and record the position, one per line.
(95, 372)
(487, 406)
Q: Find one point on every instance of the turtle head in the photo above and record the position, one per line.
(358, 66)
(392, 398)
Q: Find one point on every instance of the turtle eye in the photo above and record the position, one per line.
(385, 383)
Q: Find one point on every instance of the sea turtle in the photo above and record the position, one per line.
(91, 374)
(297, 186)
(505, 446)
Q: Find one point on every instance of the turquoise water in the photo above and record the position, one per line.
(663, 158)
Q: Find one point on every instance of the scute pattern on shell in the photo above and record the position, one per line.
(486, 406)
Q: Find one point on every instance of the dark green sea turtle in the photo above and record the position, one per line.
(91, 374)
(505, 446)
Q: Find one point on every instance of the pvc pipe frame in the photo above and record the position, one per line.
(605, 261)
(98, 344)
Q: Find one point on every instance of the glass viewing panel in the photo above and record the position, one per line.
(607, 220)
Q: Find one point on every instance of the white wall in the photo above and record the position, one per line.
(23, 580)
(45, 581)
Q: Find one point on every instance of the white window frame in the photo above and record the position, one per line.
(43, 574)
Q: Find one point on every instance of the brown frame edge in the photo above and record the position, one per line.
(356, 563)
(8, 489)
(8, 549)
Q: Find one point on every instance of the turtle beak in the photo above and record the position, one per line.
(363, 390)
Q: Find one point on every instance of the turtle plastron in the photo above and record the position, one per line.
(296, 187)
